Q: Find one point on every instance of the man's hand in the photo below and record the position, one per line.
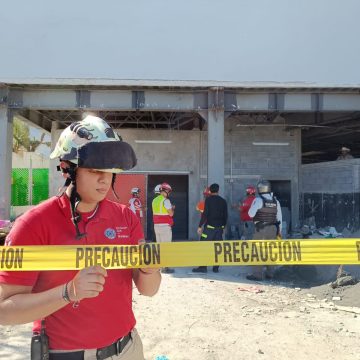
(87, 283)
(199, 230)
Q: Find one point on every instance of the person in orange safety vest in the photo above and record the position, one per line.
(200, 206)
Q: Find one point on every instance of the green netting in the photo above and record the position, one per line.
(40, 190)
(20, 187)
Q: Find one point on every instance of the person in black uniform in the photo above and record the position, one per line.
(213, 221)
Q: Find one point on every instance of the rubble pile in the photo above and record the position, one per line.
(4, 230)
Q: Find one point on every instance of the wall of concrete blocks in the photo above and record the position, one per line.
(338, 177)
(245, 163)
(331, 194)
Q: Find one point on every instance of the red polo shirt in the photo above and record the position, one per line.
(244, 208)
(98, 321)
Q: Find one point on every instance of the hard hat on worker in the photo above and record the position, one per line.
(263, 187)
(165, 187)
(92, 143)
(135, 191)
(250, 190)
(206, 191)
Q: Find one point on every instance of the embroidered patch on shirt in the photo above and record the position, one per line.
(110, 233)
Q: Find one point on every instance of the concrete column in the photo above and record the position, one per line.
(6, 139)
(55, 178)
(296, 183)
(215, 120)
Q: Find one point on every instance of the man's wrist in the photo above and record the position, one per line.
(148, 273)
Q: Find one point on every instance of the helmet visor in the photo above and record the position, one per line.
(110, 156)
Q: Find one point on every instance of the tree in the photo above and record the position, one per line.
(21, 139)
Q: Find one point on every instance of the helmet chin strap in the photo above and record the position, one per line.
(75, 198)
(75, 216)
(113, 186)
(74, 201)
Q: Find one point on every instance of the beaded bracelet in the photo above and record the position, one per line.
(65, 293)
(66, 297)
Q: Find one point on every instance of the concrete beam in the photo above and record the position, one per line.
(50, 99)
(54, 181)
(341, 102)
(116, 100)
(292, 102)
(179, 100)
(174, 100)
(6, 139)
(111, 100)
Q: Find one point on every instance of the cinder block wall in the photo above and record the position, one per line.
(246, 163)
(331, 194)
(337, 177)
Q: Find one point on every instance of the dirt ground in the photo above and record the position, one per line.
(222, 316)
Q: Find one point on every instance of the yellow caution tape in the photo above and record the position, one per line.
(178, 254)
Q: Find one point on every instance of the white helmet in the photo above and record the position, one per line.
(135, 190)
(157, 189)
(263, 187)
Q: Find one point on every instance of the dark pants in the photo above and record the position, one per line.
(247, 230)
(212, 234)
(266, 233)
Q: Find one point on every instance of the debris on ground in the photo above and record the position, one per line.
(329, 232)
(348, 294)
(252, 289)
(344, 281)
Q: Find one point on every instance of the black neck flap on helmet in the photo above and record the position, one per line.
(106, 155)
(74, 196)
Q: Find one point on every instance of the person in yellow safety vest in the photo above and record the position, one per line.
(156, 193)
(200, 206)
(163, 212)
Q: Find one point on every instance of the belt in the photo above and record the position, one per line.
(114, 349)
(215, 227)
(262, 225)
(103, 353)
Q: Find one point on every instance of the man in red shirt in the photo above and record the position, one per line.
(87, 314)
(246, 222)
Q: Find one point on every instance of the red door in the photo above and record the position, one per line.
(123, 185)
